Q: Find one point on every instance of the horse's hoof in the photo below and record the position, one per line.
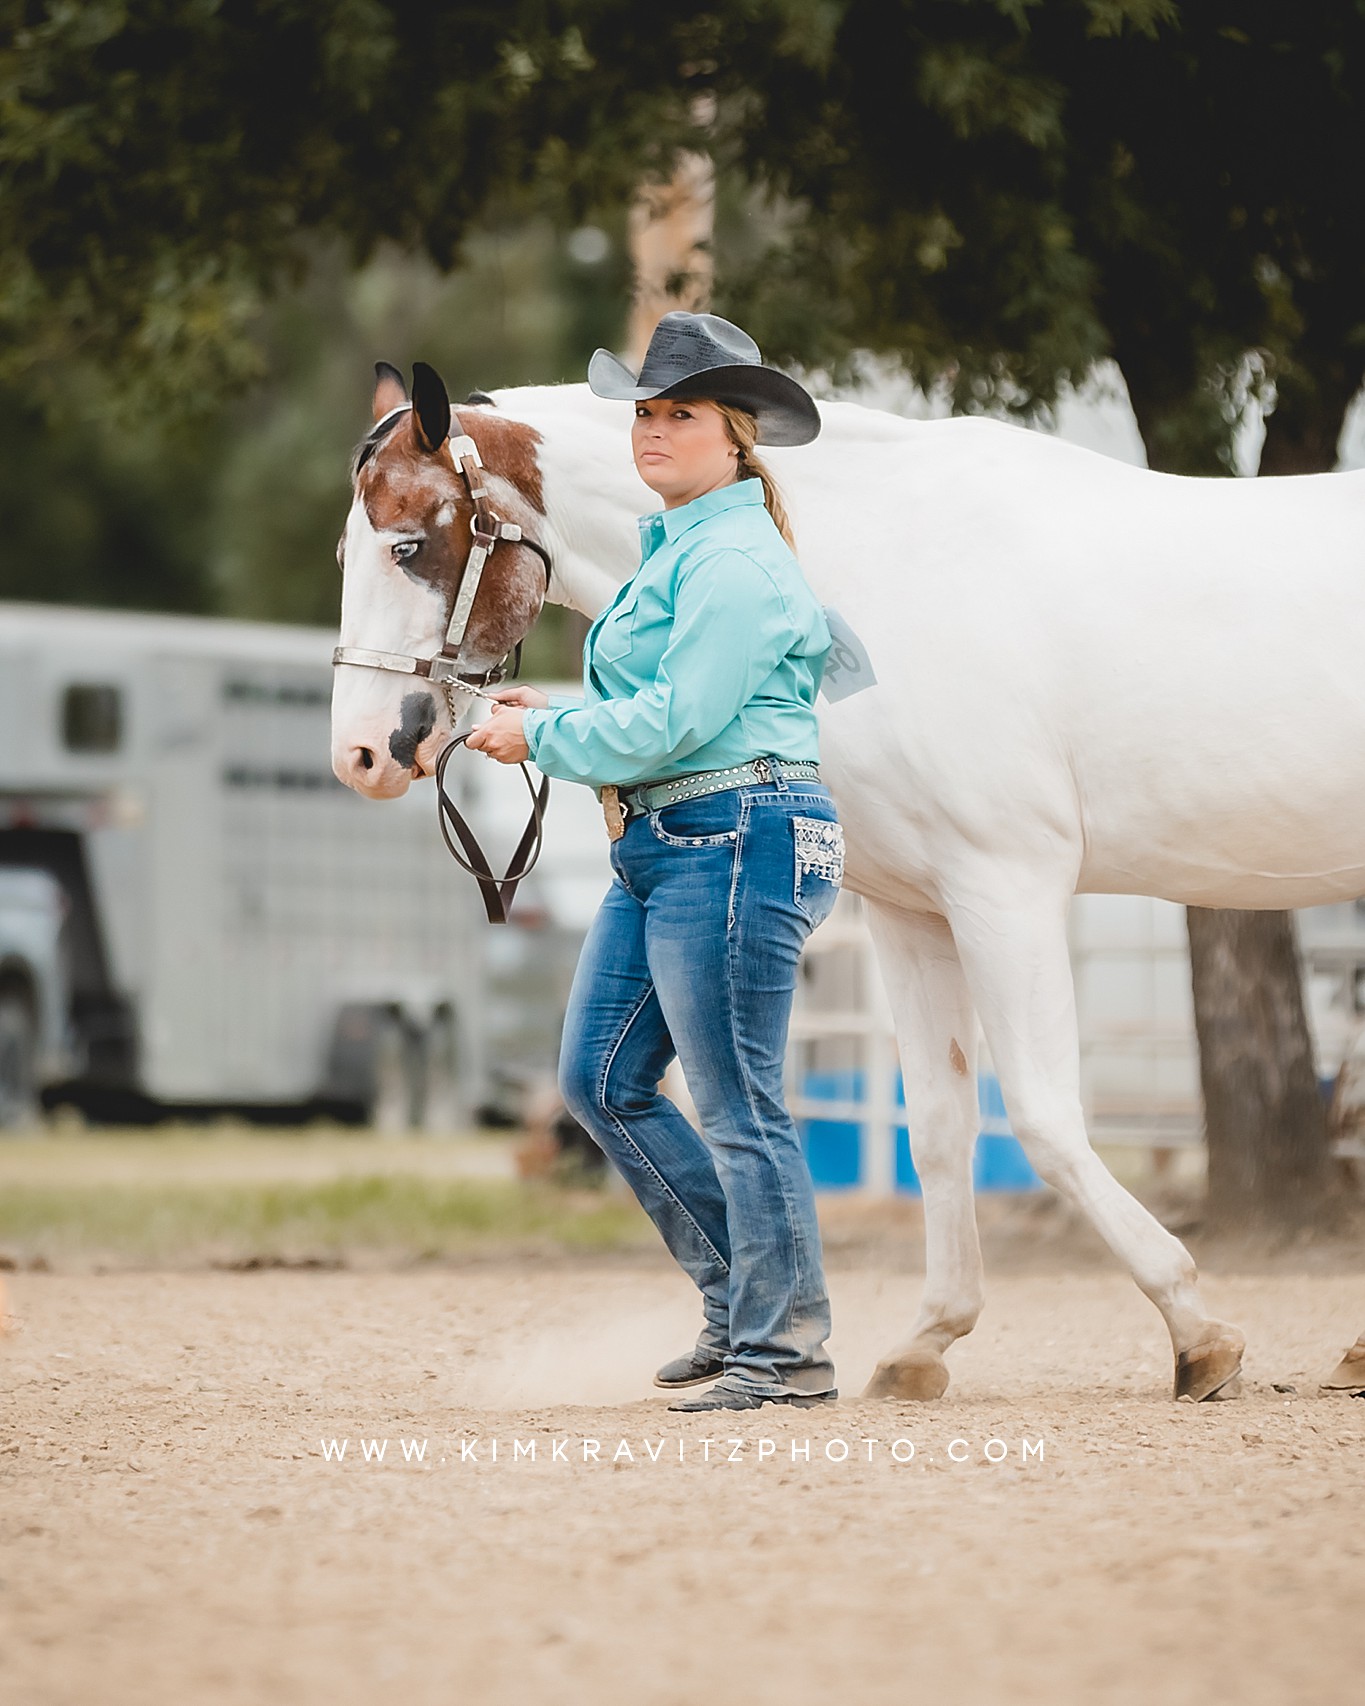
(1211, 1369)
(1349, 1374)
(918, 1375)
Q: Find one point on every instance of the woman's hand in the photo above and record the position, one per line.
(501, 737)
(530, 698)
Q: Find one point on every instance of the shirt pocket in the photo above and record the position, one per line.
(615, 638)
(634, 636)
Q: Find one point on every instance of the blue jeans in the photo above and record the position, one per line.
(694, 952)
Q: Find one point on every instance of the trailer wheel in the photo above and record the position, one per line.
(443, 1111)
(395, 1106)
(18, 1062)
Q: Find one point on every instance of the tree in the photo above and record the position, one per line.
(186, 188)
(166, 167)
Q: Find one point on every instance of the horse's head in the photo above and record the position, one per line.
(403, 557)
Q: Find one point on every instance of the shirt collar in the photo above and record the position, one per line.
(735, 495)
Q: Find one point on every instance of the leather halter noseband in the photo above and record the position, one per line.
(445, 670)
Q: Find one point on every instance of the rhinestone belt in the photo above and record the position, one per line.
(652, 796)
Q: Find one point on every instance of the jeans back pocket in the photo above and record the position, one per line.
(819, 865)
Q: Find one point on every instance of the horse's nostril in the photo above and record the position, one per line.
(366, 757)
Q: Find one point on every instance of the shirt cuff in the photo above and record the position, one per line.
(532, 724)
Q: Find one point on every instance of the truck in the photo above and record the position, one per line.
(195, 916)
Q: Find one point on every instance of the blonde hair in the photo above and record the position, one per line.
(743, 431)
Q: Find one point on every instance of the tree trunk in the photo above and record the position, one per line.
(670, 243)
(1265, 1123)
(1265, 1120)
(1302, 433)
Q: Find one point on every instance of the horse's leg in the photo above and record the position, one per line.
(1014, 954)
(936, 1033)
(1349, 1374)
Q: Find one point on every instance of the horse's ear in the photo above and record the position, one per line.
(430, 407)
(389, 389)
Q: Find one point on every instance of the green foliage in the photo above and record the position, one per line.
(922, 165)
(100, 514)
(166, 166)
(186, 190)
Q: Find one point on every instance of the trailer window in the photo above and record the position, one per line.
(92, 717)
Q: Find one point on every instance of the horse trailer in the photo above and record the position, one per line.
(238, 931)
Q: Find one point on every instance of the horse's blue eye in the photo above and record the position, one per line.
(406, 548)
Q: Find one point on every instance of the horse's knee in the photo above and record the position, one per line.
(943, 1154)
(1052, 1135)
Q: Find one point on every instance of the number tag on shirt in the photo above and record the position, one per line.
(848, 669)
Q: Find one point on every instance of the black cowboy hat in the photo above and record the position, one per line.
(701, 355)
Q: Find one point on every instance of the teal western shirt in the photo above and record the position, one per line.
(711, 654)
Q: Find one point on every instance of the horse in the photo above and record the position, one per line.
(1089, 677)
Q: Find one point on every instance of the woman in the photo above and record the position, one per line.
(698, 729)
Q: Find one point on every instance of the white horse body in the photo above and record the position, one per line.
(1142, 684)
(1090, 677)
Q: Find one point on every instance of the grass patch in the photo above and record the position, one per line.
(385, 1212)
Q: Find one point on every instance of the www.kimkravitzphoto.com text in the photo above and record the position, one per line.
(666, 1449)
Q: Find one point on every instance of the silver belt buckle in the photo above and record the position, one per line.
(763, 770)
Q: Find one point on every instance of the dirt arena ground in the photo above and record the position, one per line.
(173, 1531)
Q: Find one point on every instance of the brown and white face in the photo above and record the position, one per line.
(402, 555)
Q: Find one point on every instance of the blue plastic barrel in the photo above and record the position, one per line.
(834, 1148)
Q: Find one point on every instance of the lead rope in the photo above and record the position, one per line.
(487, 529)
(497, 892)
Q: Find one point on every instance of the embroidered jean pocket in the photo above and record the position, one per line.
(710, 821)
(819, 856)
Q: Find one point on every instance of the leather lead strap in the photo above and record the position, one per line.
(497, 892)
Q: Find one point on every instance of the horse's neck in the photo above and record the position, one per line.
(592, 494)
